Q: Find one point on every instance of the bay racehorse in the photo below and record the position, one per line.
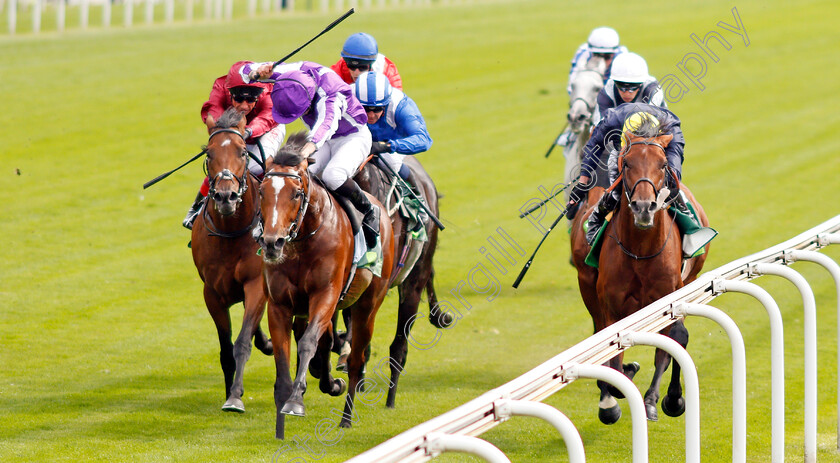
(413, 270)
(583, 102)
(225, 254)
(307, 246)
(640, 261)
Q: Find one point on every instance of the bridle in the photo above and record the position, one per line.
(629, 194)
(226, 174)
(295, 226)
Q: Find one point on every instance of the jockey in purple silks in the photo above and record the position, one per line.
(339, 138)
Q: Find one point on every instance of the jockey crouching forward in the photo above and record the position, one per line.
(338, 135)
(253, 100)
(608, 134)
(396, 127)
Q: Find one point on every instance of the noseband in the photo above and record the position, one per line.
(226, 174)
(629, 192)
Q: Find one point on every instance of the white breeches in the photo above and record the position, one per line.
(340, 158)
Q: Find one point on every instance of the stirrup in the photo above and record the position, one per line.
(189, 220)
(693, 245)
(371, 232)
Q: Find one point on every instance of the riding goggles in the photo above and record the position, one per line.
(628, 86)
(374, 109)
(355, 64)
(249, 94)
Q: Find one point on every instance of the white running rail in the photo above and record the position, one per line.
(429, 439)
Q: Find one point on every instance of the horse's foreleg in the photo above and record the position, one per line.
(345, 343)
(608, 409)
(280, 327)
(362, 323)
(254, 305)
(409, 300)
(221, 318)
(673, 404)
(321, 361)
(661, 360)
(320, 322)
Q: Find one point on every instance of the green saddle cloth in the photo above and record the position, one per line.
(372, 259)
(688, 225)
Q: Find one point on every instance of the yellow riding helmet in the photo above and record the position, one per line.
(632, 124)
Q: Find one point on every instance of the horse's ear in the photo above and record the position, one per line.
(664, 140)
(269, 161)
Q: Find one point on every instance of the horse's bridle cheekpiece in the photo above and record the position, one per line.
(226, 174)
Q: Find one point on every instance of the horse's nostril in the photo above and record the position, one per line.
(234, 196)
(652, 207)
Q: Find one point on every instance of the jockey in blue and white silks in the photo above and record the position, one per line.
(396, 125)
(603, 41)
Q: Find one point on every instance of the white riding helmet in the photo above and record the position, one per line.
(603, 40)
(630, 68)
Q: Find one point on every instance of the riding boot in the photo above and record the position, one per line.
(370, 222)
(596, 220)
(193, 212)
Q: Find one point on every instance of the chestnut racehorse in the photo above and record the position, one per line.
(225, 254)
(307, 248)
(640, 261)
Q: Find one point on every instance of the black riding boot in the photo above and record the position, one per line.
(193, 212)
(606, 204)
(370, 223)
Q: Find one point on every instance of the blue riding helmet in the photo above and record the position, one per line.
(360, 46)
(372, 89)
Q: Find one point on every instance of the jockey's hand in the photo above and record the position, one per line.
(579, 190)
(378, 147)
(308, 149)
(262, 72)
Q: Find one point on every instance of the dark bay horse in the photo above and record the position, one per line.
(307, 248)
(640, 262)
(225, 254)
(413, 270)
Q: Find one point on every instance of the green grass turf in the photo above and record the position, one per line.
(108, 353)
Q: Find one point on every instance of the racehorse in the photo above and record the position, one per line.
(640, 261)
(225, 254)
(582, 105)
(413, 270)
(307, 248)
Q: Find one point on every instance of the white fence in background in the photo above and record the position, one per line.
(32, 16)
(457, 429)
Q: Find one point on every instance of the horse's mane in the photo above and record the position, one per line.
(230, 118)
(651, 128)
(289, 154)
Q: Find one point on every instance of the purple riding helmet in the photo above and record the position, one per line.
(292, 95)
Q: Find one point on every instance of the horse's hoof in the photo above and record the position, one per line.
(442, 320)
(234, 405)
(650, 410)
(630, 369)
(293, 408)
(341, 365)
(339, 387)
(609, 415)
(673, 407)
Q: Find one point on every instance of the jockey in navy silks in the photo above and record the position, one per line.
(606, 136)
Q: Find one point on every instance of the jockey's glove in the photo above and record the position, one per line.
(378, 147)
